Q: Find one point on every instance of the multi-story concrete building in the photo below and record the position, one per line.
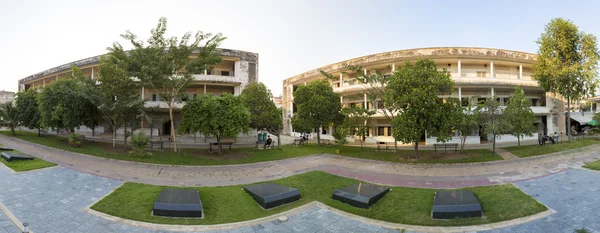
(477, 72)
(6, 96)
(231, 75)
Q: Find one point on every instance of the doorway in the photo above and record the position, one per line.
(166, 129)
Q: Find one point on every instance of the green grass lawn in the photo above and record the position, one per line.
(401, 205)
(26, 165)
(593, 165)
(534, 150)
(250, 155)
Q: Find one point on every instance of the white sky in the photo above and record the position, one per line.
(290, 36)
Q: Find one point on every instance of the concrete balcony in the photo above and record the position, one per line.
(540, 110)
(463, 81)
(217, 78)
(162, 104)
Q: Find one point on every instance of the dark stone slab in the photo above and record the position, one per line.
(456, 204)
(5, 148)
(10, 156)
(269, 195)
(178, 203)
(361, 195)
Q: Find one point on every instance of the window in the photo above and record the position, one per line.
(481, 100)
(380, 131)
(506, 101)
(481, 74)
(464, 101)
(534, 102)
(155, 97)
(209, 72)
(224, 73)
(379, 104)
(389, 131)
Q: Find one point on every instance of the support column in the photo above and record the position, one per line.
(205, 88)
(92, 72)
(521, 73)
(341, 100)
(459, 69)
(492, 92)
(143, 92)
(341, 80)
(460, 93)
(205, 72)
(491, 69)
(365, 101)
(393, 67)
(365, 71)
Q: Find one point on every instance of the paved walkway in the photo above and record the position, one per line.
(54, 199)
(6, 226)
(395, 174)
(505, 154)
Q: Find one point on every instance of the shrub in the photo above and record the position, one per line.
(73, 140)
(138, 143)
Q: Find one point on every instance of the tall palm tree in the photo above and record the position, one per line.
(9, 116)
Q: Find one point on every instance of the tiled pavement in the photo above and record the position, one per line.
(6, 226)
(52, 200)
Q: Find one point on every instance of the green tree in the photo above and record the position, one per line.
(27, 106)
(167, 64)
(567, 62)
(318, 106)
(341, 132)
(468, 120)
(224, 116)
(118, 94)
(375, 83)
(414, 89)
(68, 103)
(518, 117)
(492, 118)
(264, 114)
(9, 116)
(357, 119)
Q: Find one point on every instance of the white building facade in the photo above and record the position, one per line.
(478, 73)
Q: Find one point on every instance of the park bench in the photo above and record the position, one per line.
(157, 144)
(83, 139)
(445, 146)
(381, 144)
(224, 142)
(327, 142)
(299, 141)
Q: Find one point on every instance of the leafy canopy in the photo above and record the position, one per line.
(27, 106)
(264, 115)
(318, 106)
(567, 60)
(224, 116)
(518, 117)
(414, 88)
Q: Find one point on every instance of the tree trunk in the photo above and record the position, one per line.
(463, 140)
(93, 130)
(39, 132)
(395, 146)
(219, 144)
(319, 136)
(114, 134)
(519, 141)
(494, 144)
(569, 118)
(278, 141)
(173, 136)
(125, 137)
(416, 150)
(12, 129)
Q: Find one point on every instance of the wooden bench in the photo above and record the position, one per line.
(382, 144)
(224, 142)
(445, 146)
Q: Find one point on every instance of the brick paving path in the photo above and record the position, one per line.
(396, 174)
